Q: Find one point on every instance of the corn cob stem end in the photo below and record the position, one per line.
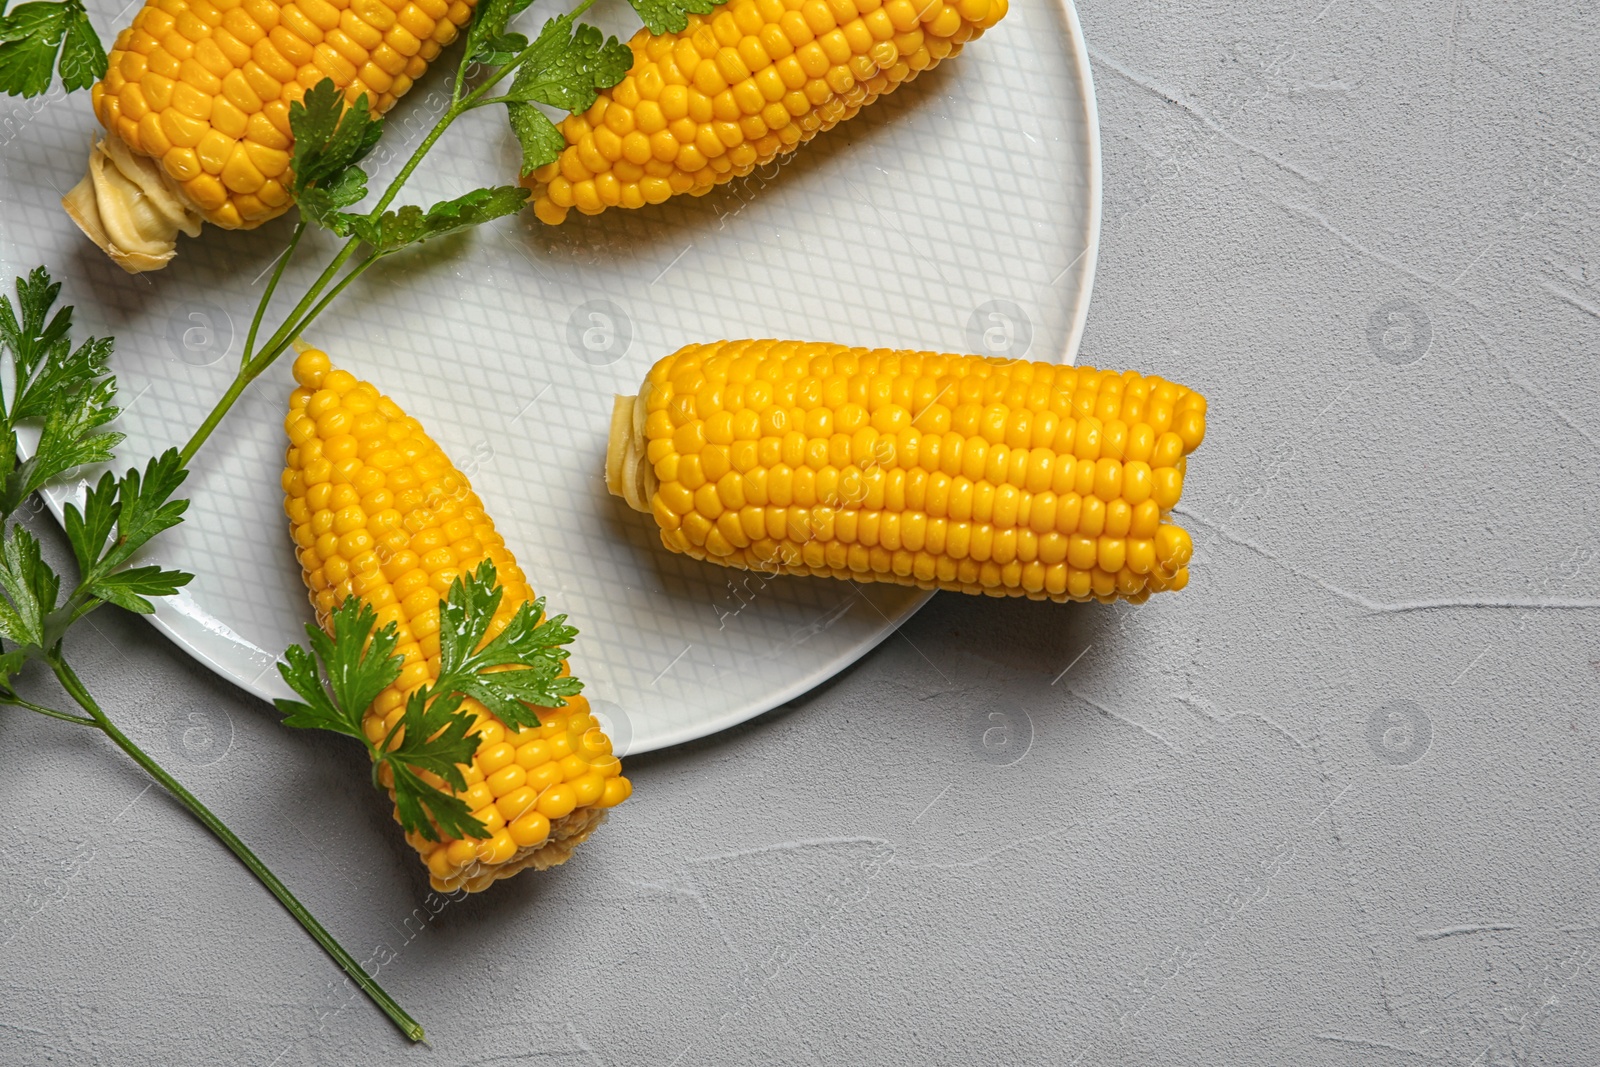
(128, 206)
(566, 834)
(628, 470)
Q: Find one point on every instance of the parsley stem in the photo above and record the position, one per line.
(64, 716)
(456, 111)
(235, 390)
(291, 328)
(355, 272)
(70, 681)
(59, 621)
(271, 350)
(266, 297)
(461, 107)
(461, 77)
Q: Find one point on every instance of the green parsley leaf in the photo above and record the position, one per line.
(509, 693)
(434, 735)
(10, 663)
(518, 669)
(119, 517)
(569, 66)
(88, 529)
(83, 57)
(316, 711)
(423, 808)
(323, 204)
(329, 140)
(540, 140)
(127, 589)
(71, 437)
(31, 590)
(70, 391)
(358, 670)
(501, 49)
(412, 225)
(33, 34)
(30, 37)
(60, 370)
(328, 137)
(144, 507)
(671, 16)
(464, 618)
(31, 338)
(487, 40)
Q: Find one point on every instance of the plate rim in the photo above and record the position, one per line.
(1091, 108)
(174, 623)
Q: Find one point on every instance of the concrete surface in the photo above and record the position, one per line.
(1334, 804)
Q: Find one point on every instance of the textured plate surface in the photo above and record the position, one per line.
(959, 214)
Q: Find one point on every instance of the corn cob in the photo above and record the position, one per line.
(377, 511)
(203, 87)
(953, 472)
(734, 91)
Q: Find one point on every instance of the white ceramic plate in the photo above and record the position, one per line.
(960, 214)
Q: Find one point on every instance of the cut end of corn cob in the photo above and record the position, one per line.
(975, 474)
(202, 88)
(628, 473)
(377, 511)
(738, 89)
(128, 206)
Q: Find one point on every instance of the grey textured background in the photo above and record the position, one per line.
(1332, 804)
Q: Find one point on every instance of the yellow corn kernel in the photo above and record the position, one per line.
(540, 791)
(1013, 485)
(802, 67)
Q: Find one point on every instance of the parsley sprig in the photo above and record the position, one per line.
(329, 142)
(511, 674)
(62, 398)
(66, 392)
(66, 395)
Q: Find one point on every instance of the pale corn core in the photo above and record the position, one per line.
(128, 206)
(628, 472)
